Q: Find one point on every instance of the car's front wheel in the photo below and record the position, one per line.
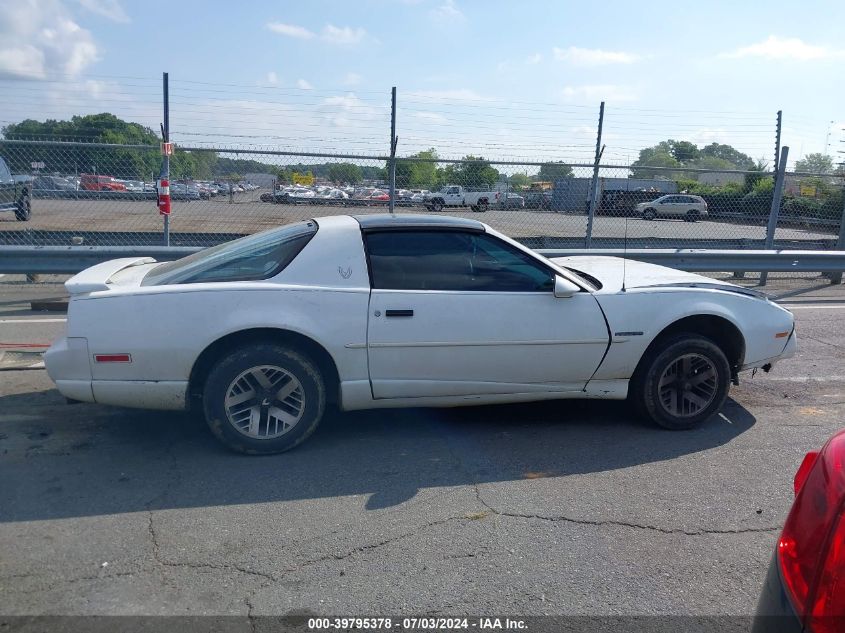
(263, 399)
(682, 382)
(649, 214)
(23, 211)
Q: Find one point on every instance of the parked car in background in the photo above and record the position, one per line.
(511, 201)
(52, 184)
(380, 310)
(538, 200)
(14, 194)
(690, 208)
(456, 196)
(183, 191)
(804, 589)
(98, 182)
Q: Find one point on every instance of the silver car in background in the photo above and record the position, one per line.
(688, 207)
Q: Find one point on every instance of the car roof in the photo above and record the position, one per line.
(381, 221)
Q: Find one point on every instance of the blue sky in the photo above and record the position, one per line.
(506, 79)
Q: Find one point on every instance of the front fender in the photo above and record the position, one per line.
(636, 319)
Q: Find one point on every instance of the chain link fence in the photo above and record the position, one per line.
(250, 158)
(104, 194)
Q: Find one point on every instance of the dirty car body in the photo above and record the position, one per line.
(392, 311)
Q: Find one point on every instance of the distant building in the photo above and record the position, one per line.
(571, 195)
(261, 180)
(719, 179)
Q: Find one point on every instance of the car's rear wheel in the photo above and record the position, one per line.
(692, 215)
(437, 206)
(482, 206)
(649, 214)
(264, 399)
(682, 382)
(23, 211)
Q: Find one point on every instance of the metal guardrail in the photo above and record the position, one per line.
(72, 259)
(721, 260)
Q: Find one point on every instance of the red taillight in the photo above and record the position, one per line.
(804, 470)
(811, 549)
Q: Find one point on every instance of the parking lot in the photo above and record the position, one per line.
(572, 508)
(248, 215)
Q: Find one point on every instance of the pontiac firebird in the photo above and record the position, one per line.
(360, 312)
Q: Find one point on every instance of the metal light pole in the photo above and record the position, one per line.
(595, 182)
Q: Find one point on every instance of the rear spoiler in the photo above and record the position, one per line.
(97, 277)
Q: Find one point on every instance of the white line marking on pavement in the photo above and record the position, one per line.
(789, 306)
(33, 320)
(803, 379)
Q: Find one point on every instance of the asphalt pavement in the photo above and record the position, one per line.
(554, 508)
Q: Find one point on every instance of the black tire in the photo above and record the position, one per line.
(649, 214)
(232, 372)
(437, 206)
(483, 206)
(23, 211)
(474, 208)
(697, 397)
(692, 215)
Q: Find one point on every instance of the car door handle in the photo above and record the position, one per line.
(399, 313)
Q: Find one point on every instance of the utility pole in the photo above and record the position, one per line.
(595, 183)
(393, 141)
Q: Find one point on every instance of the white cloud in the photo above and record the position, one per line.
(461, 94)
(786, 48)
(272, 78)
(536, 58)
(110, 9)
(447, 12)
(598, 92)
(352, 79)
(431, 117)
(303, 85)
(593, 56)
(39, 38)
(343, 35)
(291, 30)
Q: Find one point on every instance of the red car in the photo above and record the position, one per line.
(805, 586)
(97, 182)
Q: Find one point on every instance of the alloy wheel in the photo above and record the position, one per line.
(688, 385)
(265, 402)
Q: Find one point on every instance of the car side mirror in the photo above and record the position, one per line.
(564, 288)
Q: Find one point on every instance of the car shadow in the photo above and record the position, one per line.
(59, 461)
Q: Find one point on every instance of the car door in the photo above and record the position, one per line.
(456, 313)
(7, 186)
(454, 196)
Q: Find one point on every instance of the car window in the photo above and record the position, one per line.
(452, 260)
(5, 174)
(250, 258)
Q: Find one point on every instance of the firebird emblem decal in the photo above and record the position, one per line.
(346, 274)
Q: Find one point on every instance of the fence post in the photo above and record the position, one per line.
(165, 163)
(594, 185)
(778, 128)
(777, 196)
(393, 140)
(836, 276)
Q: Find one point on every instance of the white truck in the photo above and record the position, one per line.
(456, 196)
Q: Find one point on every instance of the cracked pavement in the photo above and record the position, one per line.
(554, 508)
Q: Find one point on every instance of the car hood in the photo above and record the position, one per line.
(610, 271)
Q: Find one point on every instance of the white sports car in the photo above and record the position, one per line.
(394, 311)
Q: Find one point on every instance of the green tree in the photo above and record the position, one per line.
(520, 181)
(816, 163)
(472, 172)
(683, 151)
(654, 157)
(550, 172)
(729, 154)
(348, 173)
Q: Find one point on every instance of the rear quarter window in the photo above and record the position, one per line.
(252, 258)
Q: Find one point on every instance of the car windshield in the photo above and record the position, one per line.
(258, 256)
